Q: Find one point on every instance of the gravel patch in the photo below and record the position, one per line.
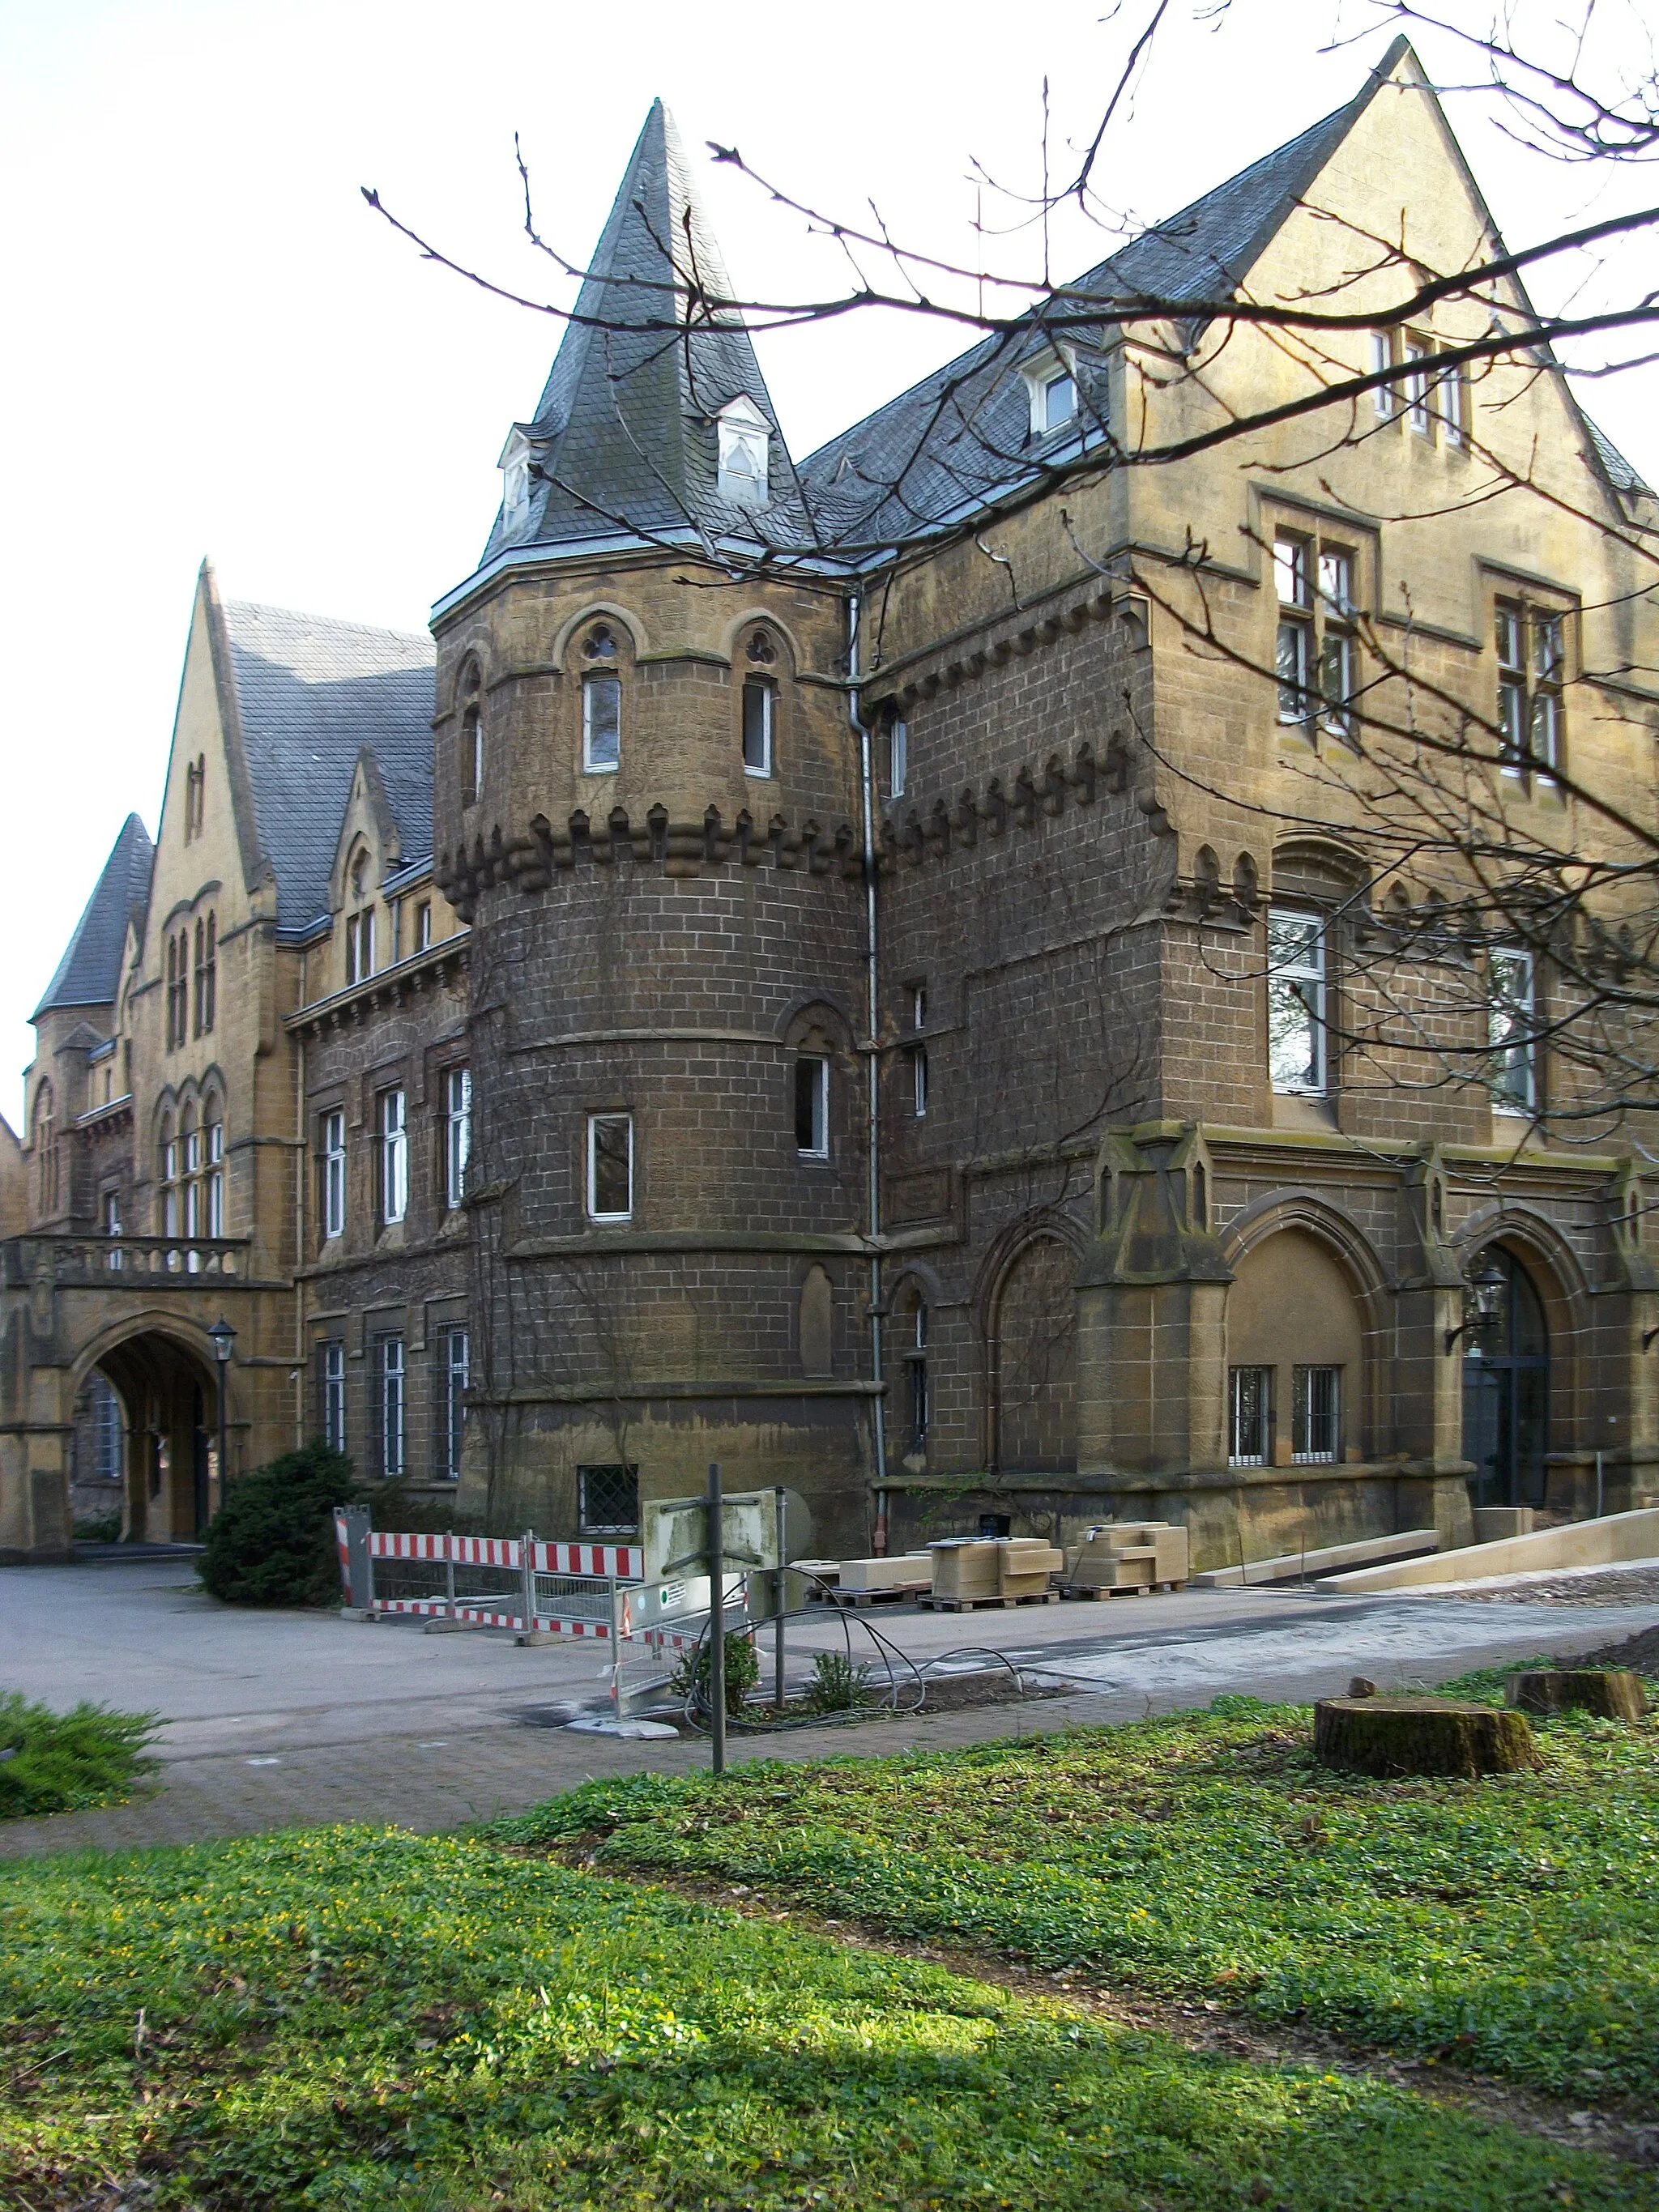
(1636, 1585)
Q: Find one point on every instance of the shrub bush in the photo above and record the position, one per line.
(65, 1762)
(691, 1678)
(271, 1542)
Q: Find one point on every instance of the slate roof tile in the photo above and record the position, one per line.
(89, 973)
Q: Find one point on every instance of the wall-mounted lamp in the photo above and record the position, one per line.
(1482, 1295)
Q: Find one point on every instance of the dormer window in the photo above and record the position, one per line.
(1051, 386)
(745, 440)
(514, 466)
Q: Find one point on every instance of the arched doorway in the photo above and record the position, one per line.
(169, 1401)
(1034, 1361)
(1506, 1376)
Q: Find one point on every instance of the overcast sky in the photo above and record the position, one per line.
(213, 346)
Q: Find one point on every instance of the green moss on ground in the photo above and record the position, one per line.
(1510, 1923)
(362, 2019)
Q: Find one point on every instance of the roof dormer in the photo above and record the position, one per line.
(1051, 385)
(514, 466)
(745, 437)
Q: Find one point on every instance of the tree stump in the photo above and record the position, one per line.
(1420, 1735)
(1613, 1691)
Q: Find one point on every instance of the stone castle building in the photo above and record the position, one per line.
(835, 967)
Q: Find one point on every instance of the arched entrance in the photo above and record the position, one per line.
(1034, 1361)
(169, 1400)
(1506, 1377)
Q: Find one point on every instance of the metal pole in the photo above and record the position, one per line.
(224, 1472)
(528, 1573)
(716, 1619)
(777, 1588)
(1598, 1486)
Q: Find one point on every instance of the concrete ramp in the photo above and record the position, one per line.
(1616, 1538)
(1369, 1551)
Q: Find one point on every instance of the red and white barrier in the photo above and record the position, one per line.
(613, 1562)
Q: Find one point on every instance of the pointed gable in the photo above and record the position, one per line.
(311, 694)
(89, 973)
(625, 441)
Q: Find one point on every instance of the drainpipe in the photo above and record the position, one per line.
(873, 1087)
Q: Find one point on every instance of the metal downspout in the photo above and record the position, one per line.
(873, 1066)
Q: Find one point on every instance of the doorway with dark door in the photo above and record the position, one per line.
(1506, 1378)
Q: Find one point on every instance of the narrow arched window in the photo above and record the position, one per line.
(168, 1163)
(45, 1150)
(213, 1147)
(601, 702)
(910, 1347)
(471, 763)
(210, 974)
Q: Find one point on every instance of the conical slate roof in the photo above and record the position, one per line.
(625, 437)
(89, 973)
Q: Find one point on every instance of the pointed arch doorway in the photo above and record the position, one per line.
(1506, 1385)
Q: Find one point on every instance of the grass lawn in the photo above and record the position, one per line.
(357, 2018)
(1512, 1923)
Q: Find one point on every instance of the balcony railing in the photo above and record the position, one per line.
(136, 1260)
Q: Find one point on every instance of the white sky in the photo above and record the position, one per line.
(214, 347)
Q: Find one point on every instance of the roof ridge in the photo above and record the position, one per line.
(333, 622)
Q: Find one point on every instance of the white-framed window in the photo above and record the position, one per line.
(394, 1155)
(423, 926)
(760, 701)
(743, 460)
(1297, 1002)
(1315, 1414)
(452, 1350)
(1316, 659)
(1452, 398)
(1511, 1029)
(898, 755)
(1250, 1412)
(215, 1134)
(110, 1221)
(1059, 400)
(917, 1056)
(360, 945)
(1384, 398)
(332, 1391)
(1416, 353)
(472, 735)
(610, 1167)
(601, 724)
(169, 1186)
(1531, 645)
(458, 1133)
(389, 1375)
(193, 1162)
(812, 1106)
(333, 1150)
(608, 1500)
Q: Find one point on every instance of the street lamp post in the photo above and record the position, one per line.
(224, 1343)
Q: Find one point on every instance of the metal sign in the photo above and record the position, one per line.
(676, 1535)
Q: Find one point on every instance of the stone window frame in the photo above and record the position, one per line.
(1317, 602)
(1308, 1382)
(456, 1116)
(1250, 1416)
(603, 1521)
(910, 1351)
(333, 1201)
(392, 1154)
(1532, 636)
(604, 654)
(760, 699)
(473, 731)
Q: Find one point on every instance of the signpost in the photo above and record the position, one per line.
(744, 1531)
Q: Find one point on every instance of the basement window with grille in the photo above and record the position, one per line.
(608, 1500)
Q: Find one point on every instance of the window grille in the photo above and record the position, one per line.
(1250, 1416)
(1297, 1002)
(389, 1377)
(601, 723)
(608, 1500)
(813, 1107)
(331, 1392)
(394, 1156)
(454, 1352)
(1316, 1426)
(610, 1167)
(458, 1133)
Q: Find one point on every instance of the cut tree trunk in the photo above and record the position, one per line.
(1613, 1691)
(1420, 1735)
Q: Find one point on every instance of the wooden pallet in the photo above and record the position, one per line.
(976, 1604)
(894, 1594)
(1117, 1589)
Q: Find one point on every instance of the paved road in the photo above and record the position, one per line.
(272, 1718)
